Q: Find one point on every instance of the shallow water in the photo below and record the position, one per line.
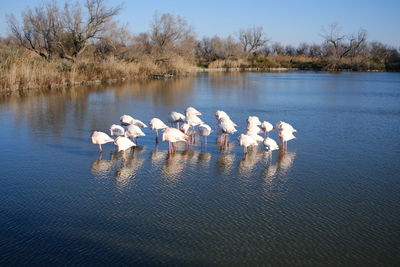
(332, 199)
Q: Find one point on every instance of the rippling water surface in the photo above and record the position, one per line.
(332, 199)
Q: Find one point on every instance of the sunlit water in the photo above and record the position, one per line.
(332, 199)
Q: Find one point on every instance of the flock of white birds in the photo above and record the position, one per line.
(130, 129)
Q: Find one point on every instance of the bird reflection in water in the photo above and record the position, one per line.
(100, 168)
(158, 157)
(125, 165)
(276, 175)
(249, 161)
(173, 167)
(130, 164)
(225, 163)
(204, 159)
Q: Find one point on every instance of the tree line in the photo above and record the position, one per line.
(72, 32)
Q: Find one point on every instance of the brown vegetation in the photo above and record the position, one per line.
(73, 44)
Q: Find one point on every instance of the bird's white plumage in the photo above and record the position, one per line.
(246, 140)
(176, 117)
(126, 119)
(227, 126)
(253, 121)
(204, 130)
(157, 124)
(123, 143)
(173, 135)
(286, 135)
(193, 120)
(192, 111)
(134, 131)
(100, 138)
(266, 126)
(270, 144)
(116, 130)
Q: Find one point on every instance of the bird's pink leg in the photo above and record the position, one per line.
(101, 149)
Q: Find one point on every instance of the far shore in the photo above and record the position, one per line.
(161, 76)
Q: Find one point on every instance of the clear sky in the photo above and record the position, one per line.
(285, 21)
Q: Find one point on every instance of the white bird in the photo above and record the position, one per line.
(253, 129)
(281, 125)
(246, 140)
(193, 120)
(285, 136)
(227, 126)
(257, 137)
(116, 130)
(176, 117)
(126, 120)
(266, 127)
(270, 144)
(139, 123)
(134, 131)
(221, 114)
(204, 130)
(123, 143)
(100, 138)
(173, 135)
(157, 124)
(192, 111)
(253, 121)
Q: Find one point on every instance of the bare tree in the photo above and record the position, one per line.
(339, 45)
(81, 27)
(39, 31)
(168, 32)
(303, 49)
(252, 39)
(290, 50)
(46, 30)
(278, 48)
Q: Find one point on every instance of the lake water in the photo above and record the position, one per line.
(332, 199)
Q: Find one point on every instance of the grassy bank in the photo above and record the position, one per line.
(20, 70)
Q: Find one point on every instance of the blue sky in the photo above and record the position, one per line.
(285, 21)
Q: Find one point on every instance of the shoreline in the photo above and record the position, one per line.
(161, 76)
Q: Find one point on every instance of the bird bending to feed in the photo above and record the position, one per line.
(270, 144)
(176, 117)
(266, 127)
(204, 130)
(219, 114)
(126, 120)
(285, 136)
(192, 111)
(157, 124)
(139, 123)
(253, 121)
(257, 137)
(173, 135)
(134, 131)
(253, 129)
(281, 125)
(116, 130)
(193, 120)
(100, 138)
(246, 140)
(123, 143)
